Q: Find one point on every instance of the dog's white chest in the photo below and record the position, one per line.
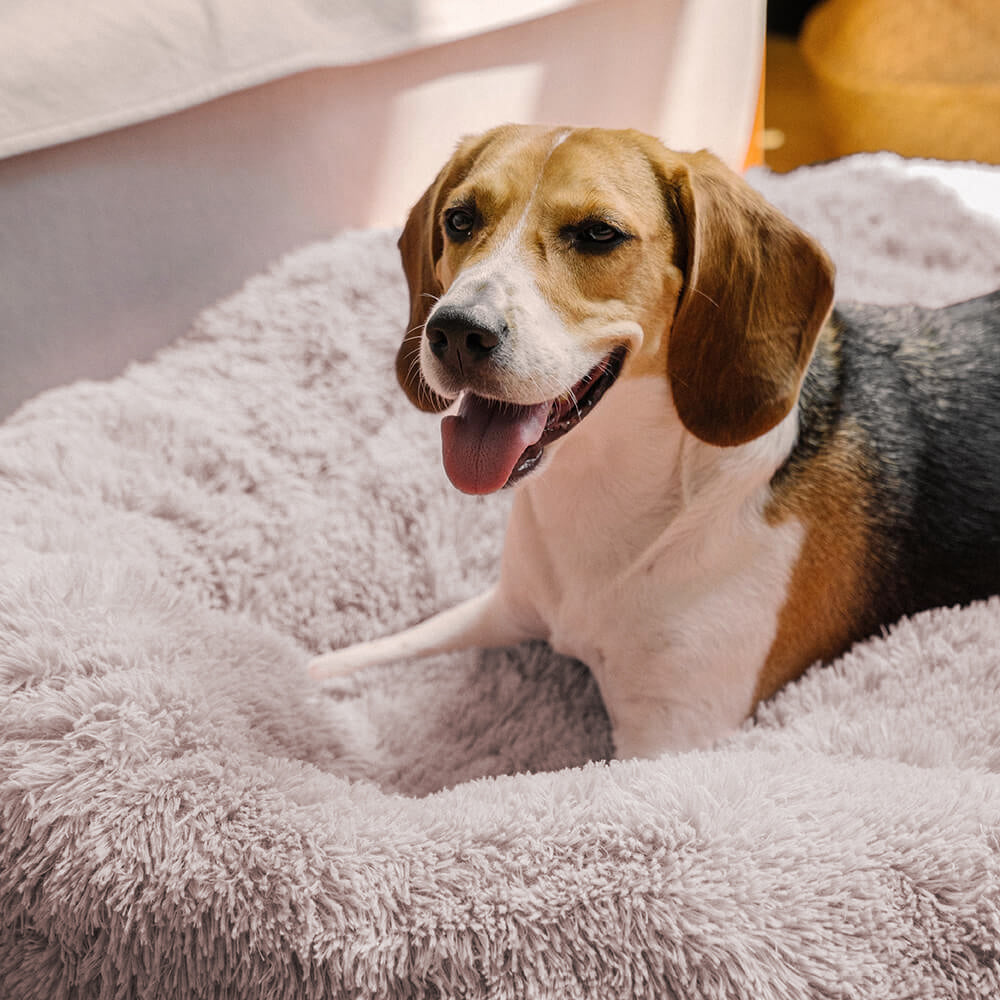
(672, 600)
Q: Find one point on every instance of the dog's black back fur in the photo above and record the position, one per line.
(916, 393)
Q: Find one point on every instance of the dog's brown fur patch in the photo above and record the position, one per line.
(830, 492)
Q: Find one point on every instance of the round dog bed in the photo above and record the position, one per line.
(184, 814)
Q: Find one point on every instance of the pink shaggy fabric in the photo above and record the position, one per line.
(183, 815)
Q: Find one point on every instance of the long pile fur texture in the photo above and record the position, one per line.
(184, 815)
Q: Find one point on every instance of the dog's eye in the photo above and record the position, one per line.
(595, 236)
(459, 223)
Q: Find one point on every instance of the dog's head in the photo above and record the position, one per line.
(545, 264)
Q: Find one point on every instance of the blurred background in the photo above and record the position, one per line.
(917, 77)
(153, 156)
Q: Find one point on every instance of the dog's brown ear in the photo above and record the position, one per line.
(757, 291)
(420, 247)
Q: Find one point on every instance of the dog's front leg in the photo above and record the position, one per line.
(484, 621)
(673, 714)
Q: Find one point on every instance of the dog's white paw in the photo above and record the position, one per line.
(335, 664)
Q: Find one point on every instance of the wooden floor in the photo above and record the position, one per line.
(793, 118)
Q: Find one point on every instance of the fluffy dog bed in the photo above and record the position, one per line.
(183, 814)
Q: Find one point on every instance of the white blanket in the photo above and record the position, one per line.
(182, 814)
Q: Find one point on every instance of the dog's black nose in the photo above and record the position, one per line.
(459, 341)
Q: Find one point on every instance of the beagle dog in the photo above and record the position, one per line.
(717, 481)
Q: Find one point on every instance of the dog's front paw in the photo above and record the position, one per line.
(345, 661)
(335, 664)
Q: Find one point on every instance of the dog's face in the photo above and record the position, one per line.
(546, 264)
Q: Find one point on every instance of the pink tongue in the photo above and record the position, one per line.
(483, 441)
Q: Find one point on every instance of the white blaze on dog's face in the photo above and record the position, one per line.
(546, 264)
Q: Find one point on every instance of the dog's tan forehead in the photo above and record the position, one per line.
(561, 171)
(507, 171)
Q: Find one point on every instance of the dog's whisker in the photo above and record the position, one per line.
(708, 298)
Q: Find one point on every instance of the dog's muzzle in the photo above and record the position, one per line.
(490, 443)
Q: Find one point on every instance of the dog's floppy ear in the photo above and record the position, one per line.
(420, 247)
(757, 291)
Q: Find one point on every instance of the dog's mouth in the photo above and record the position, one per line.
(490, 444)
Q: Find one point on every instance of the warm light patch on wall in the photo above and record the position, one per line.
(419, 137)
